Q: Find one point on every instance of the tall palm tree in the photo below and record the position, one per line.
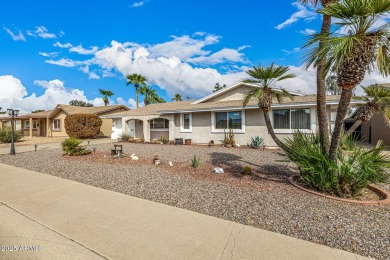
(353, 53)
(267, 77)
(377, 99)
(150, 94)
(177, 98)
(323, 123)
(137, 80)
(106, 94)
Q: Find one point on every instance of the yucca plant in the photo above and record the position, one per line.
(355, 166)
(195, 161)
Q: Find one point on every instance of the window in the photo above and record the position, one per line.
(186, 122)
(34, 124)
(57, 124)
(159, 123)
(227, 120)
(298, 118)
(26, 124)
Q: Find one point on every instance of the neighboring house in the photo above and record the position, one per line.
(51, 123)
(208, 118)
(376, 129)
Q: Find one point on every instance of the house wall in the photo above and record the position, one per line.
(379, 130)
(62, 132)
(106, 128)
(235, 94)
(202, 132)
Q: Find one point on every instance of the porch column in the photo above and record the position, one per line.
(31, 126)
(47, 127)
(146, 130)
(172, 128)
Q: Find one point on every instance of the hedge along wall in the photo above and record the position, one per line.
(83, 125)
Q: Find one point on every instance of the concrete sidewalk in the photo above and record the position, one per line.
(44, 146)
(69, 220)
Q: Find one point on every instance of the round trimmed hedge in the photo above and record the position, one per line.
(83, 125)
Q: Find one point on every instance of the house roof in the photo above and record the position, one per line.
(240, 84)
(42, 114)
(69, 110)
(189, 106)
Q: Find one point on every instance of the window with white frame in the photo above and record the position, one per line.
(35, 124)
(297, 118)
(185, 122)
(57, 124)
(159, 124)
(26, 124)
(227, 120)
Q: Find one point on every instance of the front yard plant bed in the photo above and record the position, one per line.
(264, 200)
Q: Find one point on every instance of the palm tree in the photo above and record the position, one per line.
(137, 80)
(150, 94)
(323, 123)
(352, 53)
(267, 77)
(377, 99)
(106, 94)
(177, 98)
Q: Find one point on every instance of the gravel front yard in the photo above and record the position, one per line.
(265, 201)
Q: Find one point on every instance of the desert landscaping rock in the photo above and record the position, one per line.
(265, 200)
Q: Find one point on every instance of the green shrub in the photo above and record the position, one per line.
(124, 137)
(6, 134)
(83, 125)
(354, 168)
(195, 161)
(247, 170)
(71, 146)
(256, 142)
(164, 139)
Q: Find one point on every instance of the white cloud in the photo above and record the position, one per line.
(42, 32)
(138, 4)
(80, 50)
(132, 104)
(291, 51)
(19, 36)
(302, 13)
(14, 95)
(48, 54)
(221, 56)
(93, 75)
(63, 62)
(308, 31)
(64, 46)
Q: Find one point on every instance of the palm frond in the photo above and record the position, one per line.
(252, 94)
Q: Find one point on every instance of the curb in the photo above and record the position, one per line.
(378, 190)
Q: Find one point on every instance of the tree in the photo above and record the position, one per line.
(2, 112)
(80, 103)
(218, 87)
(106, 94)
(37, 110)
(354, 49)
(377, 99)
(177, 98)
(137, 80)
(323, 123)
(151, 96)
(267, 77)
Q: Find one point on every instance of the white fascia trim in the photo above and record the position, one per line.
(182, 130)
(236, 131)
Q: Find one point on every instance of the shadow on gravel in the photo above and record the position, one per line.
(272, 172)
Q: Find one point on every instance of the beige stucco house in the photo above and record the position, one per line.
(376, 129)
(50, 123)
(206, 119)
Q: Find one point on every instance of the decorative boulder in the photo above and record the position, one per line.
(218, 170)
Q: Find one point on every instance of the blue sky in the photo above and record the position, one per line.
(55, 51)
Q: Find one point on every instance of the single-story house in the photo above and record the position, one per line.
(6, 121)
(51, 123)
(208, 118)
(375, 129)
